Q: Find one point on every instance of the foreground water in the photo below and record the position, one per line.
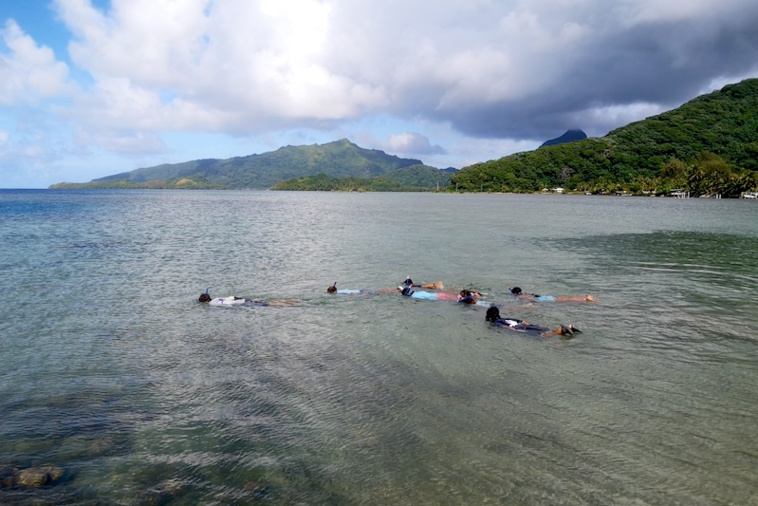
(112, 372)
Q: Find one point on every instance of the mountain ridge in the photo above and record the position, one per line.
(708, 146)
(336, 159)
(568, 136)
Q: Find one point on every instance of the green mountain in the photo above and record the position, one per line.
(707, 146)
(413, 178)
(339, 159)
(568, 136)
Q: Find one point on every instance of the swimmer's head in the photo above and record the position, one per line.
(566, 330)
(204, 298)
(515, 290)
(466, 297)
(408, 281)
(493, 313)
(331, 289)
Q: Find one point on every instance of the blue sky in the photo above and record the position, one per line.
(92, 88)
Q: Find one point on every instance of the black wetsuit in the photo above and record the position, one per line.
(519, 325)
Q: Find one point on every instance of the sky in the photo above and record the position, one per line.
(91, 88)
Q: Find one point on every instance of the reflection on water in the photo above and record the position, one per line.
(112, 370)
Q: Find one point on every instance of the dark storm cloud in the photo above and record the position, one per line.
(607, 80)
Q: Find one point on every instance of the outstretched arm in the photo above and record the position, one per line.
(432, 286)
(562, 330)
(569, 298)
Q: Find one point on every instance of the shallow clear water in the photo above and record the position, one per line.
(111, 370)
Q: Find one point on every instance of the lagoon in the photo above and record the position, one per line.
(111, 371)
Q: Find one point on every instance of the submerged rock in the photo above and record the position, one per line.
(7, 477)
(31, 477)
(163, 493)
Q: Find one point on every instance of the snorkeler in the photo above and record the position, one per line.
(493, 316)
(333, 289)
(345, 291)
(232, 300)
(432, 286)
(518, 293)
(415, 294)
(465, 296)
(469, 297)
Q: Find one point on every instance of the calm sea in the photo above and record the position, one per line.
(113, 372)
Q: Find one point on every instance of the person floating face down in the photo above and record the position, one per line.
(232, 300)
(464, 297)
(518, 293)
(467, 297)
(333, 289)
(431, 286)
(415, 294)
(407, 283)
(345, 291)
(493, 316)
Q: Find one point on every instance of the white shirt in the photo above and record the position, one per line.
(231, 300)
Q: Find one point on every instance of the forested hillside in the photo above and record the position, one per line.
(413, 178)
(337, 159)
(707, 146)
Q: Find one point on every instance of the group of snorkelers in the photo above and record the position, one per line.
(407, 290)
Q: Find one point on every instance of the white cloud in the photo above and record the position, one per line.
(126, 143)
(511, 73)
(29, 72)
(413, 143)
(607, 118)
(248, 66)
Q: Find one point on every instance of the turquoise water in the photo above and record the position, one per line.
(110, 369)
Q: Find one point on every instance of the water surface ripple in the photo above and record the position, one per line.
(113, 372)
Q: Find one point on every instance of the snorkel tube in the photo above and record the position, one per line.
(205, 297)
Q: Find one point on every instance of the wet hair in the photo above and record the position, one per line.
(204, 297)
(516, 290)
(466, 297)
(568, 330)
(493, 313)
(331, 289)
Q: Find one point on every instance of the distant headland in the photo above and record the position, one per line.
(706, 147)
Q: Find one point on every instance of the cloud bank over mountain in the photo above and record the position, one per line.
(448, 79)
